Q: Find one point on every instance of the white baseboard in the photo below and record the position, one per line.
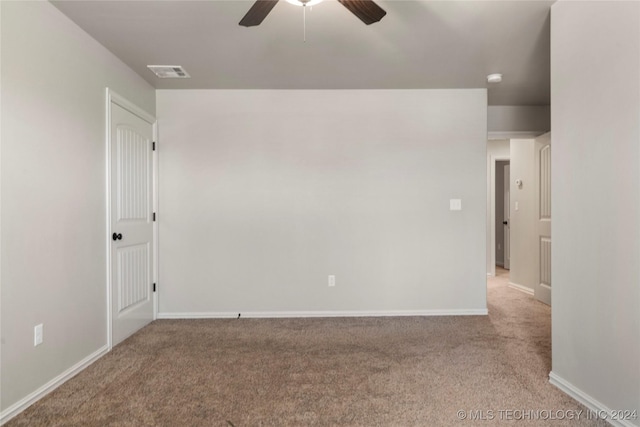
(30, 399)
(302, 314)
(592, 404)
(521, 288)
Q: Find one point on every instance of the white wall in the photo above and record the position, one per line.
(53, 243)
(595, 89)
(523, 240)
(265, 193)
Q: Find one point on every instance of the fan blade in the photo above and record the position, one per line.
(258, 12)
(366, 10)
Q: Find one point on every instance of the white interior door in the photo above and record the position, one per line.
(506, 223)
(542, 290)
(131, 233)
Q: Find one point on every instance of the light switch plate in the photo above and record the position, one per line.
(455, 205)
(37, 335)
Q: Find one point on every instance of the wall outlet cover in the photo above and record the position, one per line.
(332, 281)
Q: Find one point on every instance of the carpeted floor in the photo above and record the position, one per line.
(407, 371)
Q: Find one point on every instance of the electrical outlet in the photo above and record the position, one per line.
(332, 281)
(37, 335)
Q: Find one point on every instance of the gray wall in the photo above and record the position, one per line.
(518, 118)
(53, 244)
(265, 193)
(523, 271)
(595, 93)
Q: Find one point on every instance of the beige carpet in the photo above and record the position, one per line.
(411, 371)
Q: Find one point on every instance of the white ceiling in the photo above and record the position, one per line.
(419, 44)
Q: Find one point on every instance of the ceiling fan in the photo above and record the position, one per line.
(366, 10)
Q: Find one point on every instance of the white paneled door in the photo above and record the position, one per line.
(131, 233)
(543, 193)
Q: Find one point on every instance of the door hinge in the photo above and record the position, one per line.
(154, 217)
(154, 287)
(153, 146)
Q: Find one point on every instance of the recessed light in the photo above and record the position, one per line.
(169, 71)
(494, 78)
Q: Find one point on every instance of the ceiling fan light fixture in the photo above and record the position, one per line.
(365, 10)
(494, 78)
(303, 2)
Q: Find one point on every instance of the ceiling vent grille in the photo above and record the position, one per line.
(169, 71)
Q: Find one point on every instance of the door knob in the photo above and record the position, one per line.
(117, 236)
(505, 222)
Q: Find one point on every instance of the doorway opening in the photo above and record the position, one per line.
(519, 207)
(498, 155)
(502, 217)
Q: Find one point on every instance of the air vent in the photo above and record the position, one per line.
(169, 71)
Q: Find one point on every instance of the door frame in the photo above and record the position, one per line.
(114, 97)
(506, 229)
(492, 212)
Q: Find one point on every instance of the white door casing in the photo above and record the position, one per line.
(506, 224)
(131, 227)
(542, 290)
